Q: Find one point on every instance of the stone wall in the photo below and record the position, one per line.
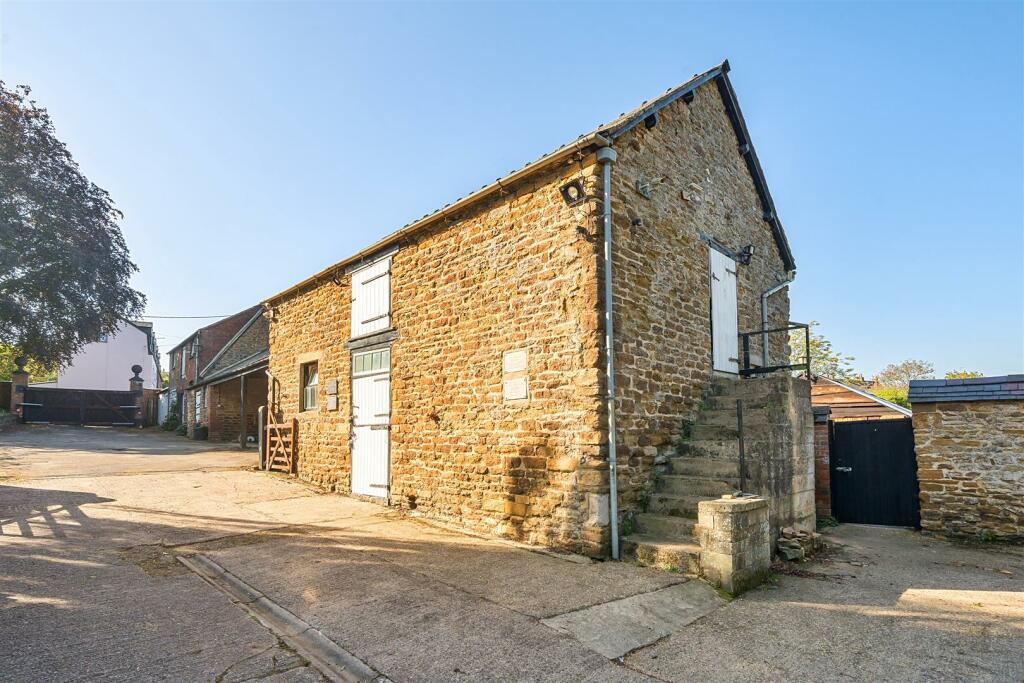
(516, 272)
(780, 449)
(735, 542)
(970, 459)
(699, 184)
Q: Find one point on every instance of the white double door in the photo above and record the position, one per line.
(724, 323)
(371, 423)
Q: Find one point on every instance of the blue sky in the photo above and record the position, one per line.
(250, 145)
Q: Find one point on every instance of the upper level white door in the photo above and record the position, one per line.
(724, 322)
(371, 422)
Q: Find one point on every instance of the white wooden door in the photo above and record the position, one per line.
(724, 325)
(371, 422)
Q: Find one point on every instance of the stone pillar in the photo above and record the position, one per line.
(19, 382)
(735, 542)
(138, 395)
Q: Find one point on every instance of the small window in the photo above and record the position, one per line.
(310, 384)
(182, 364)
(198, 398)
(375, 361)
(195, 347)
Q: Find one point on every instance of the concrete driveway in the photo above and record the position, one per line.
(92, 523)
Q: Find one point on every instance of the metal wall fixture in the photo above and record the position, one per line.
(646, 187)
(573, 193)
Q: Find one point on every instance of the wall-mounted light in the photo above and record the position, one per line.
(746, 253)
(573, 193)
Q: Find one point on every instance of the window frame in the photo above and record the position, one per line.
(304, 387)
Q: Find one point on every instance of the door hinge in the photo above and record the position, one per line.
(844, 469)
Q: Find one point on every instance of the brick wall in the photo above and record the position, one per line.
(225, 415)
(970, 458)
(511, 273)
(699, 183)
(822, 463)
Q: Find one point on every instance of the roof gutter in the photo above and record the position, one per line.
(583, 143)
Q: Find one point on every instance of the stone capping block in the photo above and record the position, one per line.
(735, 541)
(1006, 387)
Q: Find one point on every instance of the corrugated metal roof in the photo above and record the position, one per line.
(1004, 388)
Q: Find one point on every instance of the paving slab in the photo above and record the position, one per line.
(618, 627)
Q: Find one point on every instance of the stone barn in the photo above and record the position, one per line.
(457, 367)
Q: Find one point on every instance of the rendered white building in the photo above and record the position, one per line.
(107, 362)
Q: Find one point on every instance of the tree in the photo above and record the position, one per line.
(36, 371)
(963, 374)
(825, 360)
(893, 395)
(898, 375)
(64, 265)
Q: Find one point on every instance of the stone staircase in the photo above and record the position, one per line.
(704, 467)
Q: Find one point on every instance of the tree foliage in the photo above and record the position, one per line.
(64, 265)
(898, 375)
(892, 394)
(963, 374)
(36, 371)
(825, 360)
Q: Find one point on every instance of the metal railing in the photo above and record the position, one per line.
(748, 369)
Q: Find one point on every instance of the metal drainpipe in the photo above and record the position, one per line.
(764, 314)
(606, 157)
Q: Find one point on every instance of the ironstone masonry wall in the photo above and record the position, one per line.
(512, 273)
(970, 459)
(699, 183)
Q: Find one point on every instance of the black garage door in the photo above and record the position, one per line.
(79, 406)
(874, 472)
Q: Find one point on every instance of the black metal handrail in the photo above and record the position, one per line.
(748, 369)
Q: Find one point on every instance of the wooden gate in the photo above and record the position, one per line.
(874, 472)
(281, 444)
(79, 406)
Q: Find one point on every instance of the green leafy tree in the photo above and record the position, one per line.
(36, 371)
(898, 375)
(892, 394)
(825, 360)
(963, 374)
(64, 265)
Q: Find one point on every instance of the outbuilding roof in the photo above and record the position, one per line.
(1004, 388)
(602, 136)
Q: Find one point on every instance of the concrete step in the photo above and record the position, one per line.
(682, 484)
(676, 505)
(729, 470)
(662, 552)
(679, 528)
(720, 449)
(745, 389)
(701, 432)
(728, 403)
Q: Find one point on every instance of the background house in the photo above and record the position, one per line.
(194, 353)
(848, 402)
(106, 363)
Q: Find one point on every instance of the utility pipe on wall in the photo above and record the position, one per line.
(606, 157)
(764, 314)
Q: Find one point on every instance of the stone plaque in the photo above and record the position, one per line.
(514, 361)
(332, 402)
(332, 387)
(515, 389)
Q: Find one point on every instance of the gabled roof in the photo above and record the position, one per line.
(247, 313)
(230, 342)
(600, 137)
(867, 394)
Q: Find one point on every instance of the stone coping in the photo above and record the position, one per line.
(1003, 388)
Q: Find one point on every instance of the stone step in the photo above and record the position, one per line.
(679, 528)
(664, 553)
(705, 467)
(682, 484)
(728, 403)
(705, 432)
(745, 389)
(720, 449)
(684, 505)
(727, 418)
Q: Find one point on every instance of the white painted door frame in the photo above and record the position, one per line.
(371, 425)
(724, 314)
